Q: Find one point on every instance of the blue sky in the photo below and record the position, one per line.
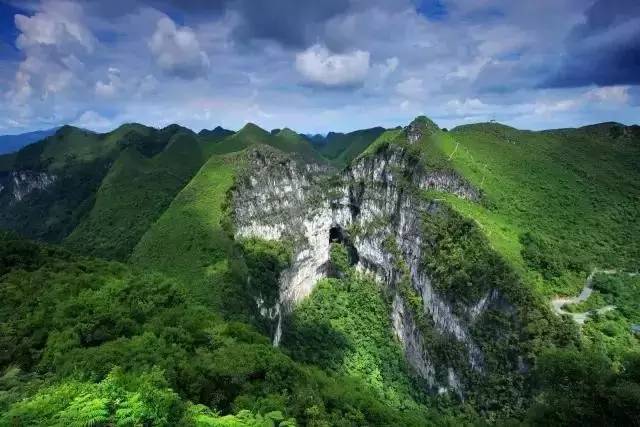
(318, 66)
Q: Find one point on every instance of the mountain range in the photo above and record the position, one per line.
(404, 276)
(11, 143)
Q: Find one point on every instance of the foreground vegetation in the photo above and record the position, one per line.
(93, 342)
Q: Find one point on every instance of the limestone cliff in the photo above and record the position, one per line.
(378, 203)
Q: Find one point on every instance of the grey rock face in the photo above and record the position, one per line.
(21, 183)
(410, 337)
(414, 133)
(377, 196)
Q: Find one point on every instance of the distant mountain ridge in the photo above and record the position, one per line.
(12, 143)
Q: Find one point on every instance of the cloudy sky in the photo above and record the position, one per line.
(317, 65)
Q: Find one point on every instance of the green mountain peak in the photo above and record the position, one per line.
(426, 123)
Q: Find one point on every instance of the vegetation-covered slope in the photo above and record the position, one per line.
(133, 195)
(57, 179)
(341, 148)
(284, 140)
(191, 234)
(556, 203)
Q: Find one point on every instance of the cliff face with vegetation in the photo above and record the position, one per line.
(377, 208)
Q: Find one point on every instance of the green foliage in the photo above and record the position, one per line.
(251, 135)
(612, 330)
(289, 141)
(459, 258)
(382, 142)
(265, 262)
(79, 160)
(579, 387)
(345, 327)
(339, 257)
(53, 213)
(120, 399)
(95, 341)
(341, 148)
(189, 241)
(572, 191)
(134, 194)
(540, 256)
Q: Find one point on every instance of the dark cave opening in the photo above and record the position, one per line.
(336, 235)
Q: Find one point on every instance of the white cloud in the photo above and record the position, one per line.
(52, 41)
(609, 94)
(468, 107)
(412, 88)
(389, 66)
(57, 24)
(549, 107)
(318, 65)
(93, 121)
(469, 71)
(177, 50)
(109, 88)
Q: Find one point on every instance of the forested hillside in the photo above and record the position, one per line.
(410, 276)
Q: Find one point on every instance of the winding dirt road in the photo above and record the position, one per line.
(580, 318)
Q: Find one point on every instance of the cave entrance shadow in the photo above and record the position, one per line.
(339, 236)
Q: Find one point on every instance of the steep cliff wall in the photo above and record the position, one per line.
(377, 201)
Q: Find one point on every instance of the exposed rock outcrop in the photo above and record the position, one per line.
(378, 200)
(22, 183)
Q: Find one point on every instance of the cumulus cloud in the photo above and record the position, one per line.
(318, 65)
(52, 40)
(118, 61)
(58, 24)
(412, 88)
(603, 49)
(93, 121)
(111, 86)
(177, 50)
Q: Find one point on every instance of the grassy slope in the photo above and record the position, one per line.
(291, 142)
(80, 160)
(134, 194)
(285, 140)
(341, 148)
(577, 190)
(188, 241)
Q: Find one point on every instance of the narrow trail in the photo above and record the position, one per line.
(580, 318)
(454, 151)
